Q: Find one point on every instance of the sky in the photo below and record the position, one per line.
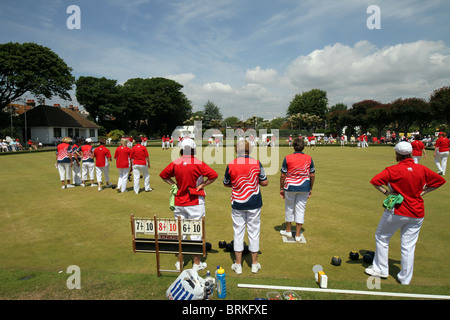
(249, 57)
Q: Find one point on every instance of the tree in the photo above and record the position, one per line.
(30, 67)
(357, 115)
(335, 117)
(277, 123)
(379, 116)
(116, 134)
(407, 112)
(100, 97)
(231, 121)
(305, 120)
(313, 102)
(338, 106)
(337, 120)
(155, 105)
(440, 104)
(211, 112)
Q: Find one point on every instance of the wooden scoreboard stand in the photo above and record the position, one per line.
(168, 235)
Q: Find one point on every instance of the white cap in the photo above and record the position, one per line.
(88, 140)
(187, 143)
(403, 148)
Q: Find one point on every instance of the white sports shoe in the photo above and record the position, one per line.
(285, 233)
(369, 270)
(200, 266)
(236, 268)
(70, 186)
(256, 267)
(177, 265)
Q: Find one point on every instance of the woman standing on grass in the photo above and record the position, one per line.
(441, 151)
(64, 162)
(411, 181)
(122, 156)
(244, 175)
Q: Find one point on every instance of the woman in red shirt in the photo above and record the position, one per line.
(189, 172)
(441, 150)
(418, 149)
(64, 162)
(411, 181)
(122, 156)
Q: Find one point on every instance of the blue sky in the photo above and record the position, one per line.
(249, 57)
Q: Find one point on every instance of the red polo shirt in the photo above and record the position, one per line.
(101, 155)
(122, 156)
(417, 147)
(139, 154)
(409, 180)
(188, 172)
(443, 144)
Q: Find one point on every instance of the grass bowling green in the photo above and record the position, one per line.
(45, 229)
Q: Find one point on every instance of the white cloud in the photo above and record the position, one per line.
(182, 78)
(217, 87)
(347, 73)
(362, 71)
(257, 75)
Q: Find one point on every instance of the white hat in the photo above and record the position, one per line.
(187, 143)
(88, 140)
(403, 148)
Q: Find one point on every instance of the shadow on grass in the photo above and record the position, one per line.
(365, 262)
(283, 227)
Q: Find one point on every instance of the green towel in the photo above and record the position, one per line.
(173, 193)
(392, 200)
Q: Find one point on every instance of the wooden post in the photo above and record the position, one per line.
(203, 236)
(157, 246)
(180, 247)
(133, 233)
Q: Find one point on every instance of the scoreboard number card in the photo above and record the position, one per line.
(144, 226)
(185, 227)
(196, 228)
(162, 226)
(172, 227)
(149, 227)
(138, 226)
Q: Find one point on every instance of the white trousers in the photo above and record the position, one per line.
(102, 171)
(294, 206)
(139, 169)
(441, 161)
(123, 179)
(195, 212)
(87, 167)
(409, 233)
(250, 219)
(76, 173)
(416, 159)
(64, 171)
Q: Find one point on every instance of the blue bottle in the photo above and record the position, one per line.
(221, 284)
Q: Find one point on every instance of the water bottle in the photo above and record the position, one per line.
(215, 277)
(207, 291)
(209, 284)
(221, 284)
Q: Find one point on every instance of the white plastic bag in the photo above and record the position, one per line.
(188, 286)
